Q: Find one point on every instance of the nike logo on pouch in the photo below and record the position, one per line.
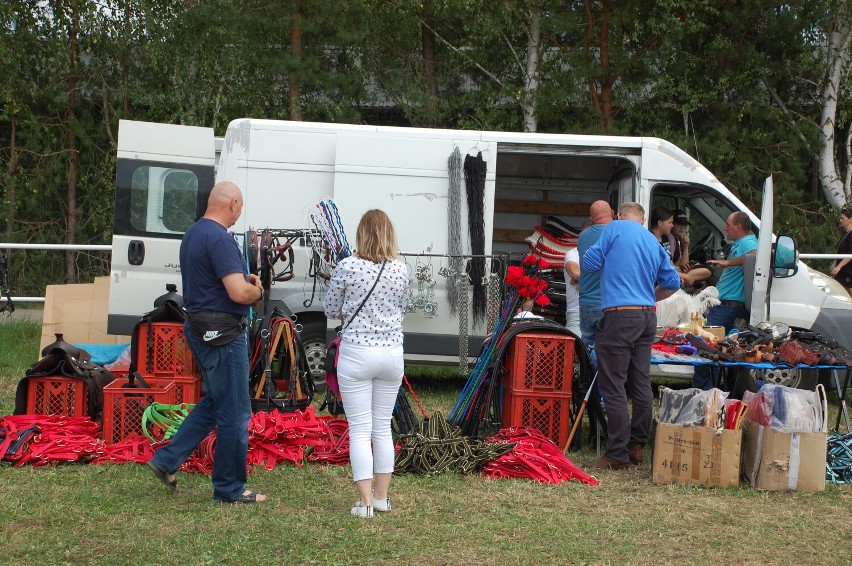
(211, 335)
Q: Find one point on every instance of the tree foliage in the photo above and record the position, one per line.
(742, 85)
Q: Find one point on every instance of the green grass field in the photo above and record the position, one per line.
(119, 514)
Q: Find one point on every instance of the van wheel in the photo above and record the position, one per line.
(313, 339)
(798, 378)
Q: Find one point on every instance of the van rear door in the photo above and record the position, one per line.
(164, 174)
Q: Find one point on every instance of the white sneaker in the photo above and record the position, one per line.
(362, 511)
(383, 505)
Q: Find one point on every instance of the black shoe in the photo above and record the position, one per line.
(161, 475)
(247, 497)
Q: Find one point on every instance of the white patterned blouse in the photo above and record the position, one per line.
(379, 323)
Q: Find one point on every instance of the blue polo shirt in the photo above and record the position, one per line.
(590, 281)
(731, 284)
(632, 263)
(207, 254)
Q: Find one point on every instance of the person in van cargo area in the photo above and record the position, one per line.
(600, 214)
(842, 270)
(731, 288)
(217, 294)
(635, 273)
(368, 291)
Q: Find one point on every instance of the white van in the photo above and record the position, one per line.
(164, 174)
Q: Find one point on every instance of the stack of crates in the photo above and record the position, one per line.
(537, 388)
(170, 360)
(164, 361)
(57, 395)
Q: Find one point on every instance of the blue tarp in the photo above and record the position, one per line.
(103, 354)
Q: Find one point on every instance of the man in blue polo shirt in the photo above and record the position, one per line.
(636, 272)
(731, 288)
(600, 214)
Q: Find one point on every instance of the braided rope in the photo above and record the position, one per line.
(438, 447)
(463, 307)
(494, 293)
(474, 174)
(454, 236)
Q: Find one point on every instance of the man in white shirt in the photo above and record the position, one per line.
(572, 297)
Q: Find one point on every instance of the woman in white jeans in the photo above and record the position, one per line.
(370, 363)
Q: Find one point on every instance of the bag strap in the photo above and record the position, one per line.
(672, 244)
(370, 292)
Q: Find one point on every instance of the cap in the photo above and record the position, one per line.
(680, 218)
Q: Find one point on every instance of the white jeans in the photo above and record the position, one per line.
(572, 321)
(369, 379)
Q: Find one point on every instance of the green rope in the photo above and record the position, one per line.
(166, 418)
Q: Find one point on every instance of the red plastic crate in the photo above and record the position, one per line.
(170, 354)
(549, 414)
(187, 389)
(541, 362)
(57, 395)
(123, 407)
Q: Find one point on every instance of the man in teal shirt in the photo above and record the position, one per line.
(731, 287)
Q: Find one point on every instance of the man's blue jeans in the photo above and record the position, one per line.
(589, 317)
(226, 406)
(706, 377)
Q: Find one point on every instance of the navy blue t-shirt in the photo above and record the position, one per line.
(208, 253)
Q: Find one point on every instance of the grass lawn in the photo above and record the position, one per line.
(119, 514)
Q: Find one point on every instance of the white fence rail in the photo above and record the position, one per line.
(824, 256)
(76, 247)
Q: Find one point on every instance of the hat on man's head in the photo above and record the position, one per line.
(680, 218)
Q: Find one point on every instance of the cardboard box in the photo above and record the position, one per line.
(79, 313)
(717, 331)
(784, 461)
(695, 455)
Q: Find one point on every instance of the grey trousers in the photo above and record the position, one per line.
(623, 345)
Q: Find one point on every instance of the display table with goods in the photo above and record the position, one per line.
(762, 347)
(781, 432)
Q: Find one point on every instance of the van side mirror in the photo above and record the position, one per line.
(785, 257)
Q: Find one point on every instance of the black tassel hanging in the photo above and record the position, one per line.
(474, 177)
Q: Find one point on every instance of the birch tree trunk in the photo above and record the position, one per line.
(531, 74)
(834, 187)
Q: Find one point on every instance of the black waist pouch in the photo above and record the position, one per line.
(215, 328)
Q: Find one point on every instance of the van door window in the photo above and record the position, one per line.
(162, 199)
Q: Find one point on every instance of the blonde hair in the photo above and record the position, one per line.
(633, 209)
(376, 238)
